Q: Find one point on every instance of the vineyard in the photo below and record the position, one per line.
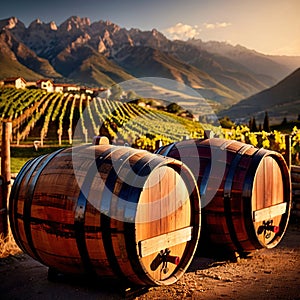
(40, 115)
(66, 118)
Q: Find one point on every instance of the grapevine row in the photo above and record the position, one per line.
(140, 126)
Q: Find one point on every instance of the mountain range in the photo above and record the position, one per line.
(102, 53)
(280, 101)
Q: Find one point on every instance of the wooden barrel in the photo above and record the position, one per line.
(107, 211)
(245, 192)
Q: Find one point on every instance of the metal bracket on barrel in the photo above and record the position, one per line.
(155, 244)
(266, 228)
(163, 257)
(266, 216)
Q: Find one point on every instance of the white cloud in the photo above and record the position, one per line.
(217, 25)
(209, 26)
(182, 31)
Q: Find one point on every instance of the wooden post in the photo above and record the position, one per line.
(85, 132)
(5, 174)
(59, 133)
(158, 144)
(42, 138)
(288, 155)
(208, 134)
(70, 135)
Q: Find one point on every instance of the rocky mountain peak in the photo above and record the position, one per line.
(81, 40)
(11, 23)
(36, 25)
(107, 39)
(154, 32)
(108, 23)
(74, 23)
(52, 25)
(101, 48)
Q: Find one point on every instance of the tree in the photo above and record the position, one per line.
(266, 126)
(225, 122)
(284, 121)
(173, 108)
(250, 123)
(253, 127)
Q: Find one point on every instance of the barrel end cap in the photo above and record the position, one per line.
(100, 140)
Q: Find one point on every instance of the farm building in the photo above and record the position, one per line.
(17, 82)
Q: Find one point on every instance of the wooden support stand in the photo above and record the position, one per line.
(5, 176)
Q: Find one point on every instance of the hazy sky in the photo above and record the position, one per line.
(268, 26)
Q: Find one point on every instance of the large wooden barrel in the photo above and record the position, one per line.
(245, 192)
(109, 212)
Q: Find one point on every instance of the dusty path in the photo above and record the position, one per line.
(267, 274)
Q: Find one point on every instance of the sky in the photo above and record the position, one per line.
(267, 26)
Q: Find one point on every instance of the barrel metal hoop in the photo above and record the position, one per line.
(129, 228)
(247, 195)
(26, 219)
(227, 196)
(13, 203)
(192, 186)
(85, 188)
(106, 220)
(207, 171)
(165, 150)
(29, 197)
(113, 175)
(287, 191)
(141, 168)
(233, 165)
(248, 183)
(79, 217)
(204, 181)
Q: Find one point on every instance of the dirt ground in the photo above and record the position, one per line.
(266, 274)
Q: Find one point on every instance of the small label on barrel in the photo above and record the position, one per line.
(269, 212)
(164, 241)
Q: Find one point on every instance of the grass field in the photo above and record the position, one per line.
(20, 155)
